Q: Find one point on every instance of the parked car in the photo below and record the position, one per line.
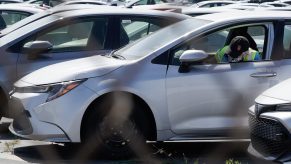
(285, 1)
(91, 2)
(269, 121)
(209, 4)
(276, 4)
(45, 3)
(73, 34)
(163, 87)
(133, 3)
(246, 6)
(266, 9)
(201, 11)
(10, 1)
(10, 14)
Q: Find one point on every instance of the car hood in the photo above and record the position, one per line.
(278, 94)
(72, 70)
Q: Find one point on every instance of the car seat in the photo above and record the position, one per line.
(242, 31)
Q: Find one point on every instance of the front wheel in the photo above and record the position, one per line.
(116, 127)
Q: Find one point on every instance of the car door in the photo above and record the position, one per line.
(70, 39)
(283, 49)
(212, 98)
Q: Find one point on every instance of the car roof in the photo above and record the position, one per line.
(288, 8)
(188, 10)
(24, 8)
(245, 5)
(214, 1)
(84, 2)
(13, 1)
(111, 10)
(247, 15)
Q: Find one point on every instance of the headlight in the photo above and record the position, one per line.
(54, 90)
(259, 109)
(31, 89)
(283, 107)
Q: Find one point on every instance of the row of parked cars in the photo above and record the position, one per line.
(113, 77)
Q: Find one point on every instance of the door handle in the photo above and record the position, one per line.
(263, 74)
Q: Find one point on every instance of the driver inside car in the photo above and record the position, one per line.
(237, 51)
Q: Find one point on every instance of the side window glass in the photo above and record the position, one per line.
(210, 44)
(216, 45)
(75, 36)
(258, 34)
(142, 2)
(206, 6)
(287, 41)
(11, 17)
(132, 30)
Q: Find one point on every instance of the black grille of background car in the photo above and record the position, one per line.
(269, 137)
(21, 123)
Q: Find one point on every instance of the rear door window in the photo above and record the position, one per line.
(133, 29)
(287, 41)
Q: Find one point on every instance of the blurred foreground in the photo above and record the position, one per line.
(18, 150)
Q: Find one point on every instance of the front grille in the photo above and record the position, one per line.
(268, 136)
(21, 123)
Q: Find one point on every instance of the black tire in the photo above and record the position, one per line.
(115, 127)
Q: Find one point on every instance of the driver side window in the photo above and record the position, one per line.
(209, 43)
(75, 36)
(215, 41)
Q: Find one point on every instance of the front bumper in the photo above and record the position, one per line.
(270, 139)
(26, 125)
(58, 120)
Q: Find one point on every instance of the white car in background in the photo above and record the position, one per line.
(270, 123)
(210, 4)
(13, 13)
(167, 86)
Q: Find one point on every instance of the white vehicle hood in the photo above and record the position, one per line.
(71, 70)
(278, 94)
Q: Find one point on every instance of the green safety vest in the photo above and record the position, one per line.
(248, 57)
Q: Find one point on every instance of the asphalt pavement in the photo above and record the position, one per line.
(18, 150)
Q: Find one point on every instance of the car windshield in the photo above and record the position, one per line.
(154, 41)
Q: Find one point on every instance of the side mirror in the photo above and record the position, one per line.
(35, 48)
(190, 56)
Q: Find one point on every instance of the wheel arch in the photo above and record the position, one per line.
(149, 114)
